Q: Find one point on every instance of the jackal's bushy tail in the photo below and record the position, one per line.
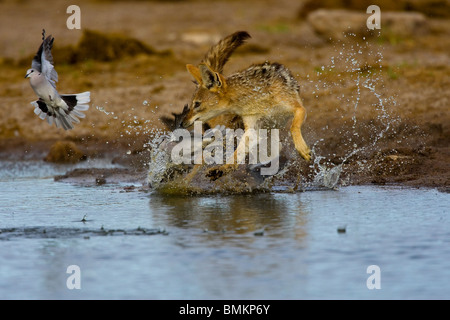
(218, 55)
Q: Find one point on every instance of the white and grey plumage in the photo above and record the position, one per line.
(63, 110)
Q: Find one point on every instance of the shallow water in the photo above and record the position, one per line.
(309, 245)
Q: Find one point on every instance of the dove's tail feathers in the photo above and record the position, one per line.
(77, 103)
(75, 99)
(66, 116)
(59, 117)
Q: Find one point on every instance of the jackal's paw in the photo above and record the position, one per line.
(306, 154)
(219, 171)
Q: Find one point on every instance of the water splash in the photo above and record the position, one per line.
(362, 62)
(102, 109)
(327, 175)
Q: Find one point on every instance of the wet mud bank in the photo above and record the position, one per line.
(422, 167)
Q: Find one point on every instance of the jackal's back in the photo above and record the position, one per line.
(259, 77)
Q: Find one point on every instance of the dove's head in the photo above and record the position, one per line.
(32, 73)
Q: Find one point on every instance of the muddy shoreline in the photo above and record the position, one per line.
(421, 167)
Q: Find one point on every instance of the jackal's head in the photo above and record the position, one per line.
(210, 98)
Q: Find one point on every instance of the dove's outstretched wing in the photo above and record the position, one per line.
(43, 60)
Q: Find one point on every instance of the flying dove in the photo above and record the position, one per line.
(61, 109)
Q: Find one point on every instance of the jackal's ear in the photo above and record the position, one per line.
(210, 79)
(195, 72)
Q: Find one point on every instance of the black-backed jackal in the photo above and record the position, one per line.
(266, 91)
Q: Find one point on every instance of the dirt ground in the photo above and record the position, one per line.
(378, 105)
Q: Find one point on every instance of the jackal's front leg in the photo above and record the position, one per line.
(299, 142)
(239, 155)
(241, 150)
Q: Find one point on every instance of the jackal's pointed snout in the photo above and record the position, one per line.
(186, 123)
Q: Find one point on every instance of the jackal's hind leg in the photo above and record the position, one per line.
(299, 142)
